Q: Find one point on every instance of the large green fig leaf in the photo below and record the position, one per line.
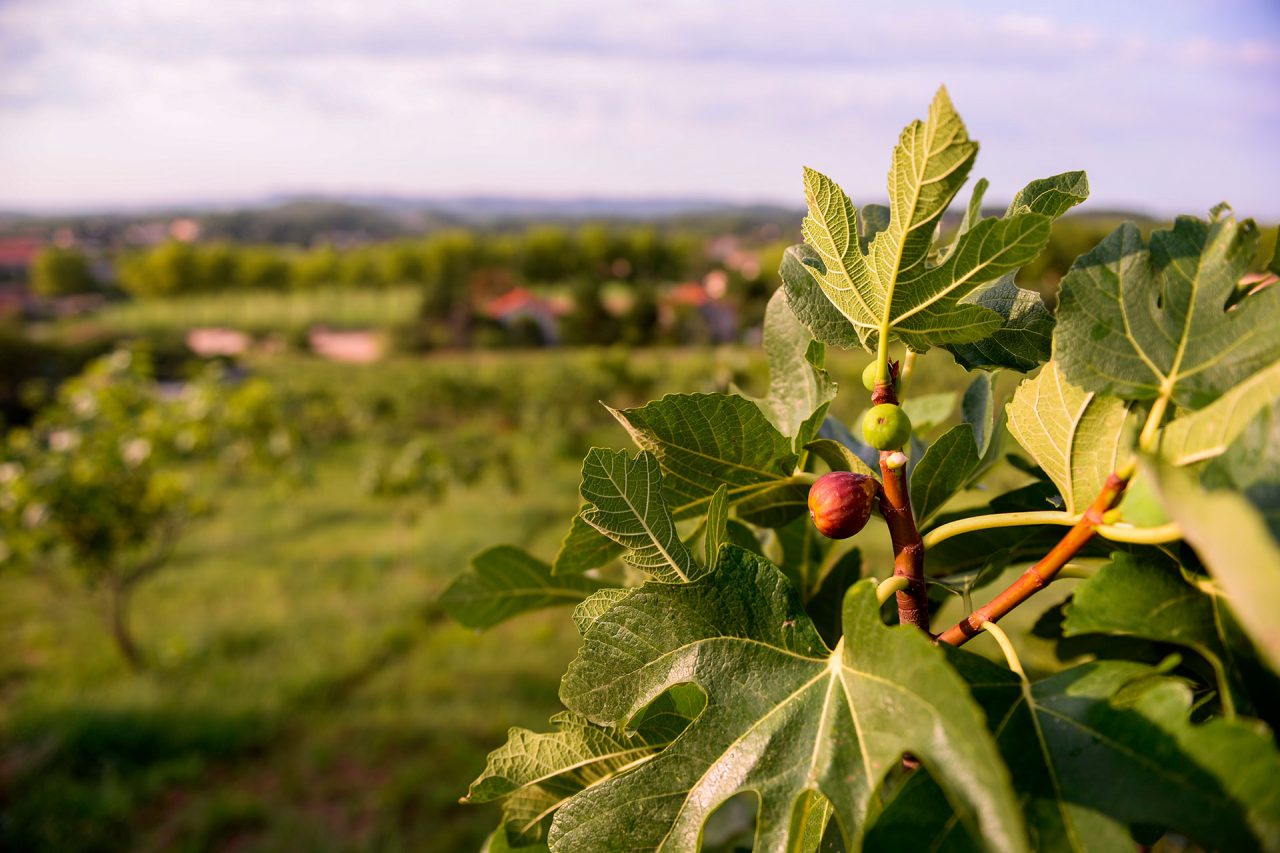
(535, 773)
(1144, 596)
(703, 440)
(1103, 746)
(1141, 321)
(785, 716)
(505, 581)
(878, 275)
(1077, 437)
(624, 502)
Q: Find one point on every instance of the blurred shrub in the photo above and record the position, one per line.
(61, 272)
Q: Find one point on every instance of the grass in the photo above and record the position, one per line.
(305, 693)
(260, 312)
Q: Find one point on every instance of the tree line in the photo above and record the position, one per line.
(447, 259)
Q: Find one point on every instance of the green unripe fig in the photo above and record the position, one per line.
(886, 427)
(840, 503)
(869, 377)
(1140, 506)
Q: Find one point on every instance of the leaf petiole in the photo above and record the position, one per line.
(1006, 646)
(893, 585)
(1114, 532)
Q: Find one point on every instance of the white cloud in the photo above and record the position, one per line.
(115, 100)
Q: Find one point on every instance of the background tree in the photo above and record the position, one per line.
(61, 272)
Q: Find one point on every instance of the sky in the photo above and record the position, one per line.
(1171, 106)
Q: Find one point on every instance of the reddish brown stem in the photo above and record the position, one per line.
(895, 506)
(1038, 576)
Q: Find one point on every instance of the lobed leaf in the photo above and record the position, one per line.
(535, 773)
(1141, 321)
(784, 716)
(876, 272)
(1102, 746)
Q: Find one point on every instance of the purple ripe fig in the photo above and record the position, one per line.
(840, 503)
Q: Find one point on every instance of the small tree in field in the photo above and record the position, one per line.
(761, 662)
(61, 272)
(97, 486)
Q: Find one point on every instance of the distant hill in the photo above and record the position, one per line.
(307, 220)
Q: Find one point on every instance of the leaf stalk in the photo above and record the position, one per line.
(1114, 532)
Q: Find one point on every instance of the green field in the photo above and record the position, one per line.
(305, 693)
(264, 311)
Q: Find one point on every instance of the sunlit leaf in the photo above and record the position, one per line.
(880, 278)
(535, 773)
(784, 714)
(624, 502)
(1205, 433)
(703, 440)
(1076, 436)
(1139, 321)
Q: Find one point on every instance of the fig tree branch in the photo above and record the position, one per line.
(1038, 576)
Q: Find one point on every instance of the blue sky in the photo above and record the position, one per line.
(1171, 106)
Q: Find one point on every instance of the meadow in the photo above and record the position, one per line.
(304, 690)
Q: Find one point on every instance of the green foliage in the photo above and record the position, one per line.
(94, 487)
(785, 717)
(845, 730)
(1166, 319)
(61, 272)
(877, 269)
(505, 581)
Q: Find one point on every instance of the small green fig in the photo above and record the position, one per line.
(840, 503)
(886, 427)
(1140, 506)
(869, 376)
